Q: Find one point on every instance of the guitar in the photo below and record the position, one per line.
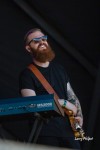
(78, 131)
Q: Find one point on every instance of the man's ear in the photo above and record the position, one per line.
(28, 48)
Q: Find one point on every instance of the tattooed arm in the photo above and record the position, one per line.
(73, 99)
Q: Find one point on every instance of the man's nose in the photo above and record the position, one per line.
(41, 41)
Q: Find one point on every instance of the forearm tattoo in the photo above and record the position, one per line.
(73, 99)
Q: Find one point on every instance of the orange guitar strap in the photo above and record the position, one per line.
(46, 85)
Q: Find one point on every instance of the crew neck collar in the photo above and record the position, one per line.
(42, 66)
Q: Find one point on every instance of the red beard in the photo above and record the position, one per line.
(43, 55)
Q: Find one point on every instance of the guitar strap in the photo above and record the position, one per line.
(50, 90)
(46, 85)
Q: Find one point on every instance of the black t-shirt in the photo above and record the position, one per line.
(57, 77)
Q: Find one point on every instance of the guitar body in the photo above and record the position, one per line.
(78, 131)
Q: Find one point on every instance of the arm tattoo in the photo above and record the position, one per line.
(73, 99)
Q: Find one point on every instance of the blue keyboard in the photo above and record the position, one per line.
(44, 105)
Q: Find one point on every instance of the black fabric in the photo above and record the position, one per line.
(59, 142)
(57, 77)
(55, 74)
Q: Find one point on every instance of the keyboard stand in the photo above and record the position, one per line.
(37, 126)
(6, 134)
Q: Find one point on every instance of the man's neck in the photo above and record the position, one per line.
(44, 65)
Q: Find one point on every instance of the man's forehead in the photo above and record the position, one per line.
(35, 34)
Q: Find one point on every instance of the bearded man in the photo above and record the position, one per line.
(57, 131)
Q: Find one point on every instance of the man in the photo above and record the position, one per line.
(58, 131)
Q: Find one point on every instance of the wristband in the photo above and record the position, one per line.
(65, 102)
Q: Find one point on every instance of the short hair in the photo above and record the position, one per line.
(28, 33)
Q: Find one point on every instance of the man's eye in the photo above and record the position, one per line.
(36, 41)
